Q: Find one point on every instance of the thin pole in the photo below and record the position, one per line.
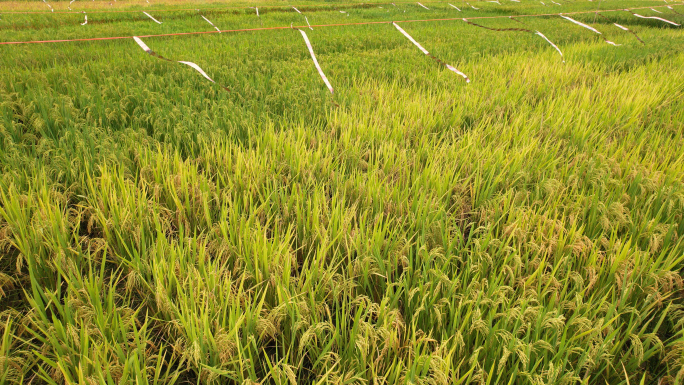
(597, 10)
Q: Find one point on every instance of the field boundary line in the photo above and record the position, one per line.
(318, 25)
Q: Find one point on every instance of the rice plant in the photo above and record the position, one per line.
(525, 228)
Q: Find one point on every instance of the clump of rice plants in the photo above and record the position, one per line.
(525, 228)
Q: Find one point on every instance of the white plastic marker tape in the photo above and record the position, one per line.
(553, 45)
(191, 64)
(655, 18)
(555, 2)
(257, 11)
(195, 66)
(542, 3)
(494, 1)
(142, 45)
(86, 20)
(423, 6)
(423, 50)
(581, 24)
(71, 2)
(307, 22)
(472, 6)
(296, 10)
(46, 3)
(623, 28)
(212, 24)
(155, 20)
(628, 30)
(655, 10)
(313, 56)
(458, 9)
(591, 29)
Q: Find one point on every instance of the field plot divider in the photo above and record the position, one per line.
(519, 30)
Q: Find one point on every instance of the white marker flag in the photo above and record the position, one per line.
(86, 20)
(458, 9)
(313, 56)
(150, 16)
(423, 50)
(212, 24)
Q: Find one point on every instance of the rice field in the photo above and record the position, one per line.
(409, 228)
